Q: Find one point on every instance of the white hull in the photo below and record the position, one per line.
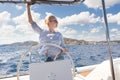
(98, 72)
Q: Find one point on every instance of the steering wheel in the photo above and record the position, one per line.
(33, 47)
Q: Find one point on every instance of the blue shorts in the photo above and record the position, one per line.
(52, 58)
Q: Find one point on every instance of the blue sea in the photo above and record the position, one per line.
(82, 55)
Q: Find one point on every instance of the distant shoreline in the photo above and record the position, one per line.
(68, 41)
(79, 42)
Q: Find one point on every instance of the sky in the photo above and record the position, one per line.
(82, 21)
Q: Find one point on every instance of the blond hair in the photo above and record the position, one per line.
(47, 20)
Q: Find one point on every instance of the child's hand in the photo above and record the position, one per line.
(65, 50)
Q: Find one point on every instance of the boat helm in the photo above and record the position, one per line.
(66, 65)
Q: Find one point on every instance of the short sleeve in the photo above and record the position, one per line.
(62, 42)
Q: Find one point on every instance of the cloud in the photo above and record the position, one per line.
(115, 34)
(48, 14)
(68, 31)
(95, 30)
(6, 30)
(4, 18)
(19, 7)
(96, 38)
(79, 19)
(93, 4)
(19, 32)
(90, 37)
(23, 18)
(110, 3)
(97, 3)
(92, 34)
(114, 30)
(22, 30)
(114, 18)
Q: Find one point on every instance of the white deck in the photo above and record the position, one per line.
(101, 72)
(26, 77)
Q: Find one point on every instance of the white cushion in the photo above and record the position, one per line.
(103, 71)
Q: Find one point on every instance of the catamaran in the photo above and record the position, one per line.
(107, 70)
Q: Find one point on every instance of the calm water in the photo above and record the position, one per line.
(82, 55)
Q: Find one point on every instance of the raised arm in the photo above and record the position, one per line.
(29, 14)
(35, 27)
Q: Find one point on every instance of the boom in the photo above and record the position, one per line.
(61, 2)
(15, 1)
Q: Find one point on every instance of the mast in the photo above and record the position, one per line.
(108, 40)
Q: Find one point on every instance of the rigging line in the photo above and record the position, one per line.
(108, 40)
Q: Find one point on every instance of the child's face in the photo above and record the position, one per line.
(53, 23)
